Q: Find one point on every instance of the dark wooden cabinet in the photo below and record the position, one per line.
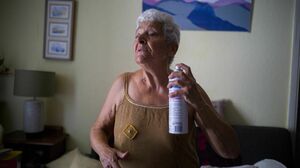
(38, 149)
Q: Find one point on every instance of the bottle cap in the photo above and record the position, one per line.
(177, 68)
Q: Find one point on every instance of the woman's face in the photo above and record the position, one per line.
(150, 44)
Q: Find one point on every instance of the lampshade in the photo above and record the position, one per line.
(34, 83)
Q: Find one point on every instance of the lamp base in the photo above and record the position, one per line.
(33, 118)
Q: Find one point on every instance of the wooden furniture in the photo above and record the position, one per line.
(11, 159)
(38, 149)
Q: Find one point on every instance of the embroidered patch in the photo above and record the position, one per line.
(130, 131)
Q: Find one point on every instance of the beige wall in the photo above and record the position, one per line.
(251, 70)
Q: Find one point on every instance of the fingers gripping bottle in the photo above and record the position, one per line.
(178, 114)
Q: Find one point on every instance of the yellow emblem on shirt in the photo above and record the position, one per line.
(130, 131)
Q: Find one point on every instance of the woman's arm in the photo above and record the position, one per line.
(220, 134)
(103, 128)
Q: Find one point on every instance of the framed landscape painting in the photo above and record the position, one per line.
(213, 15)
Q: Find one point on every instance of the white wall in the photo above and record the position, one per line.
(251, 70)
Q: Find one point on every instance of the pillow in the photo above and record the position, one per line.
(242, 166)
(82, 161)
(266, 163)
(63, 161)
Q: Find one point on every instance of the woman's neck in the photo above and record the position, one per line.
(155, 79)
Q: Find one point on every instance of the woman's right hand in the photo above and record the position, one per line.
(109, 157)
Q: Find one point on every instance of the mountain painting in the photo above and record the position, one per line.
(213, 15)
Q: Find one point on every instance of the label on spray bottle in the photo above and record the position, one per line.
(178, 114)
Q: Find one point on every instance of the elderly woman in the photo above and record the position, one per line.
(135, 113)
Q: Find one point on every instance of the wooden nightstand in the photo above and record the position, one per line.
(38, 149)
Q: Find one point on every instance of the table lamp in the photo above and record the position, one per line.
(33, 84)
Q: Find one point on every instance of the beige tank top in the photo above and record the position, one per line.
(143, 132)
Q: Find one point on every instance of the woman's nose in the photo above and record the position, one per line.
(142, 40)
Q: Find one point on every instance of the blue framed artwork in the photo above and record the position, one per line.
(58, 35)
(214, 15)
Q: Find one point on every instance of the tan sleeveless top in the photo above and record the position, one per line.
(143, 132)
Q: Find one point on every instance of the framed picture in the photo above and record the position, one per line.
(207, 15)
(58, 48)
(59, 29)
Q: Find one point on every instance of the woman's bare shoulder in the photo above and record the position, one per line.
(120, 80)
(119, 83)
(117, 86)
(134, 76)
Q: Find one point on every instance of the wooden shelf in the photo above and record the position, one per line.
(40, 148)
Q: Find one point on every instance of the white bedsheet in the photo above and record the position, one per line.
(266, 163)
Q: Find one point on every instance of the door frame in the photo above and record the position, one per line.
(295, 76)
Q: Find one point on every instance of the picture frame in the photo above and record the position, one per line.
(58, 36)
(207, 15)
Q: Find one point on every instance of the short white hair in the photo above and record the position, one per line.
(170, 28)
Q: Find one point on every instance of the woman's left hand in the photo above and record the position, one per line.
(188, 84)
